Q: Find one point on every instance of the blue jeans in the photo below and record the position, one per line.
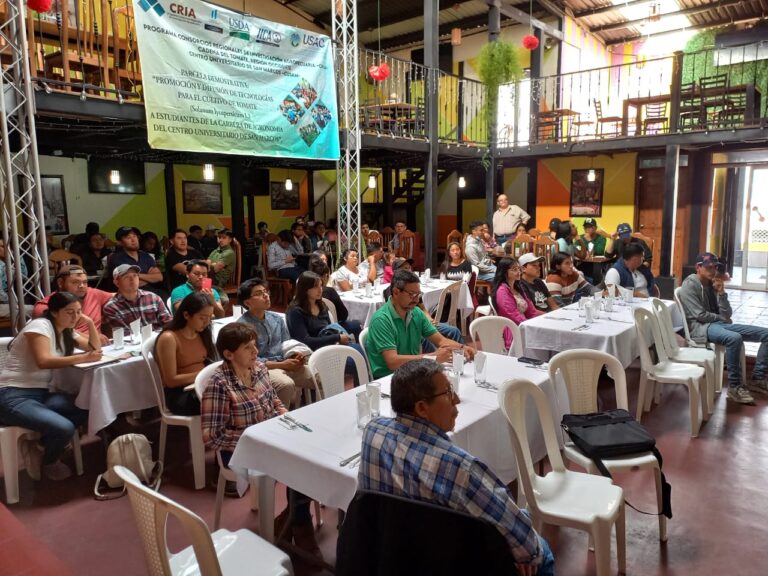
(547, 566)
(733, 336)
(290, 273)
(448, 331)
(53, 415)
(487, 275)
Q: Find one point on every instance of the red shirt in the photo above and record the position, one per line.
(92, 304)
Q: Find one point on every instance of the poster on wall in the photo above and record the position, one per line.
(235, 84)
(54, 204)
(282, 199)
(586, 194)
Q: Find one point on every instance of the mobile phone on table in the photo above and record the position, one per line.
(207, 283)
(527, 360)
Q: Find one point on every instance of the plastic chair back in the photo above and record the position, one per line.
(331, 309)
(685, 318)
(147, 353)
(363, 338)
(489, 330)
(454, 290)
(201, 380)
(329, 362)
(666, 329)
(580, 370)
(646, 323)
(151, 510)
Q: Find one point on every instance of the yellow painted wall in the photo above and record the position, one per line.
(473, 209)
(516, 186)
(553, 189)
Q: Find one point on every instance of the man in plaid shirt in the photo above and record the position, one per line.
(131, 303)
(411, 456)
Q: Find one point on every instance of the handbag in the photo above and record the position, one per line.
(614, 433)
(135, 453)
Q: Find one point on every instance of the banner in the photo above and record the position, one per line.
(217, 81)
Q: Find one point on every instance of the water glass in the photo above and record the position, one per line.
(355, 287)
(442, 276)
(628, 296)
(581, 308)
(368, 290)
(363, 408)
(377, 285)
(237, 311)
(136, 331)
(118, 335)
(146, 332)
(609, 304)
(588, 313)
(374, 397)
(458, 362)
(480, 362)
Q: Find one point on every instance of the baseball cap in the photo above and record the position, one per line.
(707, 259)
(624, 230)
(69, 269)
(123, 269)
(397, 264)
(225, 232)
(590, 222)
(125, 230)
(210, 227)
(529, 257)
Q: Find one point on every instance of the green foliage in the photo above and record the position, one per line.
(497, 64)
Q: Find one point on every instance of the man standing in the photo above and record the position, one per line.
(195, 238)
(179, 253)
(150, 276)
(285, 374)
(507, 218)
(535, 288)
(411, 456)
(474, 250)
(209, 242)
(73, 279)
(397, 328)
(630, 272)
(222, 259)
(131, 303)
(197, 271)
(280, 258)
(708, 313)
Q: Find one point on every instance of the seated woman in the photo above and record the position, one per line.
(93, 254)
(508, 296)
(342, 314)
(184, 347)
(45, 344)
(349, 273)
(563, 238)
(238, 395)
(455, 265)
(150, 243)
(566, 284)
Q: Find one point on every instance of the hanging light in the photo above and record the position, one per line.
(208, 174)
(372, 182)
(462, 182)
(655, 12)
(114, 177)
(455, 36)
(591, 175)
(288, 184)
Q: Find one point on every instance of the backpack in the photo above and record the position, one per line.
(135, 453)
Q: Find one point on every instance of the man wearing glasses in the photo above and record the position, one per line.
(424, 464)
(73, 279)
(397, 328)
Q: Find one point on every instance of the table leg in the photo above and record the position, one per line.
(267, 508)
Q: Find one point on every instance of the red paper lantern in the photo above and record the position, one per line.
(380, 72)
(530, 42)
(40, 5)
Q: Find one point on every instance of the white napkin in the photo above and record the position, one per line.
(146, 332)
(136, 328)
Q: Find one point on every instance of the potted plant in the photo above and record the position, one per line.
(497, 65)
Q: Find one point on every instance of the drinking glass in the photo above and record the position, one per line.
(118, 335)
(368, 290)
(588, 313)
(480, 359)
(609, 304)
(581, 308)
(363, 408)
(458, 362)
(374, 397)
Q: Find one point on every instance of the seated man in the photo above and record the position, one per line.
(131, 302)
(373, 265)
(394, 244)
(150, 276)
(397, 328)
(535, 288)
(285, 374)
(411, 456)
(282, 262)
(630, 272)
(197, 271)
(623, 238)
(474, 251)
(708, 313)
(73, 279)
(178, 255)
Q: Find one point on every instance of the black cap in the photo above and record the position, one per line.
(707, 259)
(590, 222)
(125, 230)
(554, 224)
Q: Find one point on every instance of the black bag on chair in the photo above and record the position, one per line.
(614, 433)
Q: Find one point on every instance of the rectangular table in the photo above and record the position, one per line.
(613, 333)
(309, 461)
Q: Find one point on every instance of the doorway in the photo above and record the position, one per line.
(750, 227)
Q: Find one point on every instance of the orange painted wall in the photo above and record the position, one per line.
(553, 189)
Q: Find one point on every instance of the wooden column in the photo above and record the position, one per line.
(669, 213)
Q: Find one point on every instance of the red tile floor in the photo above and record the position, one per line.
(718, 497)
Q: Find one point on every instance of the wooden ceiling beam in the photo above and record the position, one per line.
(528, 20)
(684, 12)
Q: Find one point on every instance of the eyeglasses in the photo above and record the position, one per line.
(412, 295)
(449, 392)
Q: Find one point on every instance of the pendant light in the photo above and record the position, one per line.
(208, 174)
(114, 177)
(455, 36)
(462, 182)
(372, 182)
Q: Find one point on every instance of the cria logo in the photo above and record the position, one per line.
(295, 39)
(214, 14)
(183, 11)
(148, 5)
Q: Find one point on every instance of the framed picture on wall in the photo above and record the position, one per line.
(586, 196)
(283, 199)
(54, 204)
(201, 197)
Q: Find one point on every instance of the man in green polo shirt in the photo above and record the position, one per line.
(397, 328)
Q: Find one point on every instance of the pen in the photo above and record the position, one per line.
(299, 424)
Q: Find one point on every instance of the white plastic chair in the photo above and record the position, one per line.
(665, 371)
(699, 356)
(580, 371)
(454, 290)
(562, 497)
(168, 418)
(719, 349)
(331, 309)
(328, 363)
(169, 305)
(217, 554)
(9, 443)
(363, 338)
(489, 331)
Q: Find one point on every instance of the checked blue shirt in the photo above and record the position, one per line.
(412, 458)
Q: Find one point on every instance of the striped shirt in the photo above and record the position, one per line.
(412, 458)
(119, 312)
(228, 406)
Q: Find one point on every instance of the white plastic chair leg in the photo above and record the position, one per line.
(267, 508)
(220, 485)
(198, 456)
(9, 447)
(642, 393)
(318, 516)
(601, 534)
(621, 540)
(719, 361)
(77, 453)
(693, 404)
(659, 504)
(163, 437)
(254, 482)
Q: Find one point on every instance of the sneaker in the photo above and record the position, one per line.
(759, 385)
(57, 471)
(740, 395)
(32, 455)
(230, 489)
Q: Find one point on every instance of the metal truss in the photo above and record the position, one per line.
(20, 192)
(348, 167)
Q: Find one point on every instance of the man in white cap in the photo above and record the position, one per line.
(534, 287)
(131, 303)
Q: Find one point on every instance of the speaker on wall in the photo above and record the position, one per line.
(255, 181)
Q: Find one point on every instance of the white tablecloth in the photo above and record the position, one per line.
(309, 461)
(613, 333)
